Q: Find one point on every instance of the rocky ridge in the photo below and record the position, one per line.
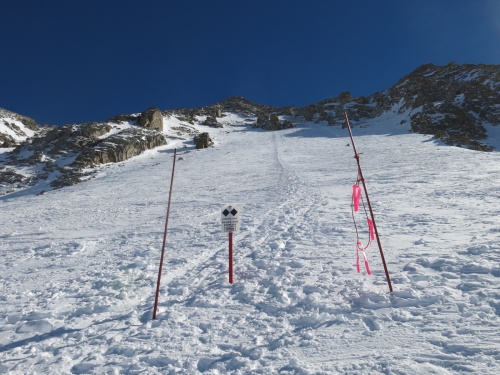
(65, 155)
(452, 102)
(455, 103)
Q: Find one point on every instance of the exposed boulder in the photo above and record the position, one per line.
(272, 122)
(212, 121)
(202, 141)
(151, 119)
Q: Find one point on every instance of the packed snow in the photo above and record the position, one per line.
(80, 264)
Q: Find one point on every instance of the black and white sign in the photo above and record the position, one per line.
(230, 217)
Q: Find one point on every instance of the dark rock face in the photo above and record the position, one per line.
(212, 121)
(66, 154)
(151, 119)
(68, 138)
(120, 147)
(202, 141)
(67, 150)
(272, 122)
(452, 102)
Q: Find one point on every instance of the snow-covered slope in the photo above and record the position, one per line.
(15, 128)
(79, 264)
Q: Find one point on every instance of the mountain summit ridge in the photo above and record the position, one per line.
(453, 102)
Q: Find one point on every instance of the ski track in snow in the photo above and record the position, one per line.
(79, 265)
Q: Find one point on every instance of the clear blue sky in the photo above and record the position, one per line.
(65, 61)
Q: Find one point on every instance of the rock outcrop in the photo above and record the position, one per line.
(66, 151)
(212, 121)
(272, 122)
(202, 141)
(235, 105)
(120, 147)
(452, 102)
(151, 119)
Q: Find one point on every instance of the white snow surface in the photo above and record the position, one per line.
(80, 264)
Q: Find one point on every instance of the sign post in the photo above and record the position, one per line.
(230, 257)
(231, 223)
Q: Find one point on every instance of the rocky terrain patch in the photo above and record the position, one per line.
(64, 155)
(452, 102)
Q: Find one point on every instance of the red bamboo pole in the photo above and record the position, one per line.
(356, 156)
(164, 238)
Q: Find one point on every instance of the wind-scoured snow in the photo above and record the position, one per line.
(79, 264)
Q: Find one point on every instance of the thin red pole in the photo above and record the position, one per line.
(164, 238)
(356, 156)
(230, 257)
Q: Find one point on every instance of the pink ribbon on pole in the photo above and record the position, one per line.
(359, 246)
(356, 195)
(370, 228)
(366, 264)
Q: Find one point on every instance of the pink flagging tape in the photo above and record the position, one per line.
(370, 227)
(366, 264)
(359, 246)
(356, 195)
